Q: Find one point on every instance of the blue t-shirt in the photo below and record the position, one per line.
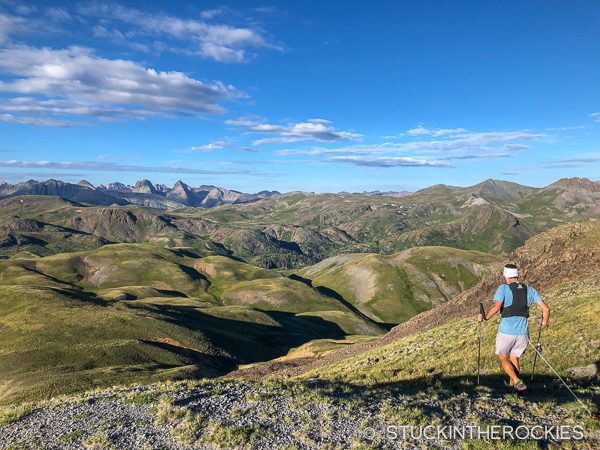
(515, 325)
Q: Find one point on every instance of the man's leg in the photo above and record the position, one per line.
(508, 367)
(508, 349)
(515, 362)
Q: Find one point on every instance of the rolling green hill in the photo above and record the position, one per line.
(396, 287)
(127, 313)
(55, 341)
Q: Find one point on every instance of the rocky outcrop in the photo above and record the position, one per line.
(144, 187)
(180, 192)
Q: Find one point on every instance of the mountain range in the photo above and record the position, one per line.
(144, 193)
(297, 229)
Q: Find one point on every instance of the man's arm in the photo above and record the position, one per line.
(545, 313)
(492, 311)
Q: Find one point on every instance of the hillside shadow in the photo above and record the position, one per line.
(193, 273)
(290, 246)
(84, 296)
(170, 293)
(194, 356)
(245, 341)
(328, 292)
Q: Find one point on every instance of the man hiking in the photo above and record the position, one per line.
(513, 300)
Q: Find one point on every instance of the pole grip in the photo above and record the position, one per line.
(481, 310)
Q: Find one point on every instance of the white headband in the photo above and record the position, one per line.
(511, 273)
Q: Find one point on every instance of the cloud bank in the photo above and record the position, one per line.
(75, 82)
(113, 167)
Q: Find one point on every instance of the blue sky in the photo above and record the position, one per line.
(313, 96)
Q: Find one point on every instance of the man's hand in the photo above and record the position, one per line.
(479, 317)
(544, 324)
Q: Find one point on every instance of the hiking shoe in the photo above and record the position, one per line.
(519, 386)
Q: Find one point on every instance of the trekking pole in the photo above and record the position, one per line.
(591, 416)
(537, 350)
(481, 311)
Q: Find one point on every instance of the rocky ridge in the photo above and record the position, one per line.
(144, 193)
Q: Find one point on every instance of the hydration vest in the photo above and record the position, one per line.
(519, 304)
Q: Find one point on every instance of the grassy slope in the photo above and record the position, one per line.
(394, 288)
(54, 341)
(112, 267)
(451, 350)
(238, 283)
(133, 312)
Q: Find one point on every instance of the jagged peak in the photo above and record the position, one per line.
(144, 187)
(180, 192)
(181, 185)
(86, 184)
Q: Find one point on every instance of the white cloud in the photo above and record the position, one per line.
(209, 147)
(516, 147)
(576, 127)
(58, 13)
(224, 43)
(421, 131)
(211, 13)
(24, 22)
(596, 116)
(349, 150)
(460, 147)
(8, 26)
(43, 121)
(466, 146)
(319, 130)
(470, 142)
(25, 9)
(113, 167)
(218, 145)
(75, 82)
(245, 162)
(390, 161)
(566, 163)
